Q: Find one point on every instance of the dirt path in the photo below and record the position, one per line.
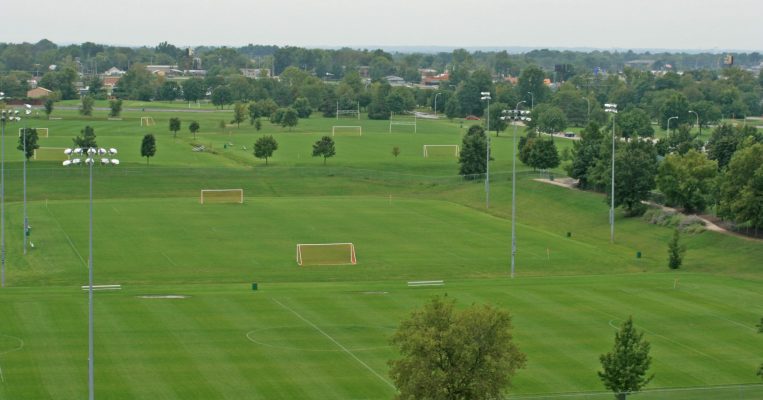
(569, 183)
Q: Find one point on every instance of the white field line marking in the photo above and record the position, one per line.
(68, 238)
(169, 259)
(679, 389)
(2, 378)
(21, 346)
(336, 343)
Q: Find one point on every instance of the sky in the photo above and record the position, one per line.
(714, 25)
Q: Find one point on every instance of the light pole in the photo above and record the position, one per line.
(486, 96)
(698, 125)
(667, 129)
(532, 101)
(612, 108)
(91, 153)
(514, 115)
(26, 218)
(435, 104)
(588, 110)
(5, 117)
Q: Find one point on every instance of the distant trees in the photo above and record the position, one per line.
(585, 153)
(454, 354)
(264, 147)
(687, 180)
(169, 91)
(303, 108)
(115, 108)
(324, 148)
(222, 96)
(742, 187)
(174, 126)
(625, 368)
(473, 157)
(635, 171)
(634, 122)
(193, 89)
(148, 147)
(86, 106)
(239, 114)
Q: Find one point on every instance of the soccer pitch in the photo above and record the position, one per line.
(187, 324)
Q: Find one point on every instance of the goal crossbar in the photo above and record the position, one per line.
(222, 195)
(147, 121)
(41, 132)
(456, 148)
(355, 128)
(403, 123)
(326, 254)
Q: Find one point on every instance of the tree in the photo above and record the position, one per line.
(448, 354)
(324, 148)
(137, 83)
(239, 114)
(174, 126)
(634, 122)
(625, 367)
(49, 103)
(87, 140)
(742, 186)
(194, 89)
(222, 96)
(289, 118)
(679, 141)
(473, 153)
(543, 154)
(551, 119)
(635, 170)
(168, 91)
(257, 124)
(497, 124)
(148, 146)
(686, 180)
(676, 250)
(115, 108)
(302, 106)
(585, 153)
(86, 107)
(194, 127)
(264, 147)
(28, 141)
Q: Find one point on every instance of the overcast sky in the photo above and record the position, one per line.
(717, 25)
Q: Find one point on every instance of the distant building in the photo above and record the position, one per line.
(255, 73)
(38, 93)
(643, 65)
(395, 80)
(434, 80)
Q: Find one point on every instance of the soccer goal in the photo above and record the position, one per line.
(404, 122)
(222, 196)
(346, 130)
(441, 150)
(41, 132)
(49, 154)
(326, 254)
(347, 113)
(147, 121)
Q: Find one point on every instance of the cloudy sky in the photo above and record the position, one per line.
(636, 24)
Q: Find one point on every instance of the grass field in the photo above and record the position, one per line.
(187, 323)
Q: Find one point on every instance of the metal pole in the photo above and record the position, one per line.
(26, 221)
(612, 200)
(588, 110)
(487, 158)
(435, 103)
(698, 125)
(532, 100)
(91, 378)
(2, 203)
(514, 192)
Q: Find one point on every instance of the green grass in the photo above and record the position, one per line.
(322, 331)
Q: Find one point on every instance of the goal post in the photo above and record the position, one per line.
(326, 254)
(147, 121)
(404, 122)
(221, 196)
(346, 130)
(41, 132)
(437, 150)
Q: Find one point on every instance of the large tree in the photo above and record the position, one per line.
(49, 104)
(635, 170)
(148, 146)
(290, 118)
(687, 180)
(543, 154)
(174, 126)
(28, 142)
(448, 354)
(115, 108)
(194, 89)
(741, 188)
(324, 148)
(86, 106)
(193, 127)
(473, 155)
(87, 138)
(264, 147)
(222, 96)
(239, 114)
(625, 368)
(634, 122)
(551, 119)
(585, 153)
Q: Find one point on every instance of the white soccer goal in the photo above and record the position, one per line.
(441, 150)
(347, 113)
(326, 254)
(404, 122)
(147, 121)
(222, 196)
(41, 132)
(346, 130)
(49, 154)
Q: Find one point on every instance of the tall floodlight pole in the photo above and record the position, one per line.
(26, 218)
(698, 125)
(435, 103)
(486, 96)
(515, 115)
(612, 108)
(667, 128)
(5, 116)
(90, 160)
(532, 100)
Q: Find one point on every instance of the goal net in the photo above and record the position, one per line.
(326, 254)
(405, 122)
(441, 150)
(222, 196)
(41, 132)
(350, 113)
(49, 154)
(346, 130)
(147, 121)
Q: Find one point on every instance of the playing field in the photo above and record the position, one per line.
(187, 324)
